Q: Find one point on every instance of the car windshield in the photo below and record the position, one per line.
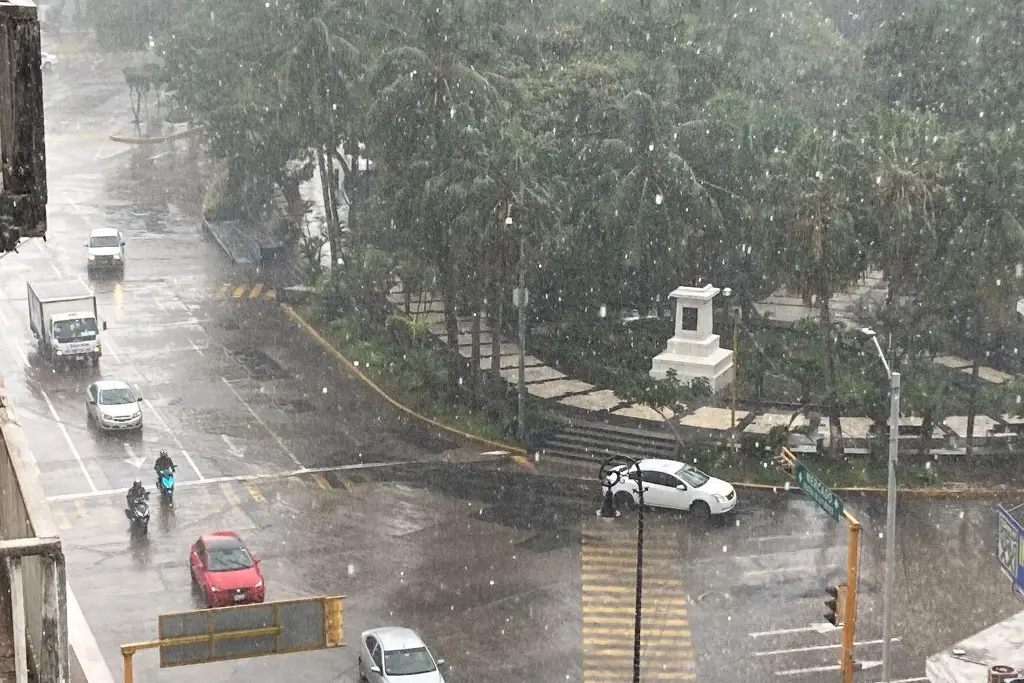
(116, 397)
(408, 662)
(74, 330)
(105, 241)
(692, 476)
(226, 557)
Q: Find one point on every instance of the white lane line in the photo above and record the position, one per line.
(83, 642)
(108, 341)
(196, 348)
(258, 477)
(817, 669)
(167, 428)
(263, 424)
(918, 679)
(823, 627)
(67, 438)
(817, 648)
(802, 569)
(231, 446)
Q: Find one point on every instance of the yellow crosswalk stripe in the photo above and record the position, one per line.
(296, 483)
(255, 292)
(222, 291)
(256, 494)
(322, 482)
(63, 523)
(229, 493)
(608, 585)
(81, 508)
(239, 291)
(270, 294)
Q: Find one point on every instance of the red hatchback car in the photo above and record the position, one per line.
(225, 571)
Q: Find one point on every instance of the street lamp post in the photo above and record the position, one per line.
(612, 471)
(890, 508)
(734, 312)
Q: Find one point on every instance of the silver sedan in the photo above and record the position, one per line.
(392, 654)
(113, 406)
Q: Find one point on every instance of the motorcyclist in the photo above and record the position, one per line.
(136, 493)
(164, 462)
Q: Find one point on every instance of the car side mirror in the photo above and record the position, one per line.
(104, 325)
(440, 662)
(681, 487)
(374, 669)
(256, 560)
(139, 399)
(92, 401)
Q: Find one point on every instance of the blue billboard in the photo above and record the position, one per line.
(1010, 545)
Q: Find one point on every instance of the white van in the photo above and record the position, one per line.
(106, 249)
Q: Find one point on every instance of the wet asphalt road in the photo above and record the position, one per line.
(510, 578)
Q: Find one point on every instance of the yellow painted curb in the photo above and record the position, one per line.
(155, 141)
(327, 346)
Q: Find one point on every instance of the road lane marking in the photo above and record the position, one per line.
(819, 628)
(264, 425)
(256, 289)
(67, 438)
(231, 446)
(196, 348)
(322, 482)
(81, 509)
(254, 492)
(229, 493)
(817, 648)
(239, 291)
(270, 294)
(63, 523)
(297, 482)
(252, 477)
(167, 428)
(222, 291)
(83, 642)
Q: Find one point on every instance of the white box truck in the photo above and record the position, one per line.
(63, 319)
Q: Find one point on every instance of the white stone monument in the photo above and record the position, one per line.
(693, 350)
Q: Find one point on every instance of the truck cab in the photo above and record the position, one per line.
(105, 249)
(75, 335)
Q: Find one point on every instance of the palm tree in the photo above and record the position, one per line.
(809, 226)
(427, 103)
(318, 72)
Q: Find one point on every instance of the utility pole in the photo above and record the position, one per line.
(890, 525)
(521, 304)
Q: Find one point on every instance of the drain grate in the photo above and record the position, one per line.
(259, 365)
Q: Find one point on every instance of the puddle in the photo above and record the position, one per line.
(259, 365)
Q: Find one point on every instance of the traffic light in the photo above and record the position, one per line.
(835, 604)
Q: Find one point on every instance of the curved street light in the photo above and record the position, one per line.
(611, 473)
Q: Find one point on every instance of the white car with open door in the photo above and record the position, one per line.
(674, 485)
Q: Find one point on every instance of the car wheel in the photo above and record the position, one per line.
(362, 674)
(624, 501)
(701, 510)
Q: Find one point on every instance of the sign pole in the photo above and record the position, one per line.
(850, 608)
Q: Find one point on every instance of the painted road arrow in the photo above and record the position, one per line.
(134, 460)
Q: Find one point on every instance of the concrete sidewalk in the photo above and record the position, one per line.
(599, 404)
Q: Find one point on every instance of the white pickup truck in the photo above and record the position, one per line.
(63, 319)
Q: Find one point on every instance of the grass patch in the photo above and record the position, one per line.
(414, 373)
(754, 466)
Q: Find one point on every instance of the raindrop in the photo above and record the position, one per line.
(492, 582)
(725, 548)
(325, 390)
(351, 569)
(658, 199)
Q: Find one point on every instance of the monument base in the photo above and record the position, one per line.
(717, 368)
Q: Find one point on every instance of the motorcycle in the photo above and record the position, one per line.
(165, 483)
(138, 515)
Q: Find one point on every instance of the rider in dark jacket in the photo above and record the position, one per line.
(135, 493)
(164, 462)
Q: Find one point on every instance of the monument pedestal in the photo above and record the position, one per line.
(693, 351)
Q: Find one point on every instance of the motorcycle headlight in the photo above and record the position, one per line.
(59, 352)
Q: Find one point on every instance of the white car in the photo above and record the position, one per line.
(112, 406)
(106, 249)
(674, 485)
(47, 61)
(392, 654)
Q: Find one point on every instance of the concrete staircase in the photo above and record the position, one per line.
(596, 441)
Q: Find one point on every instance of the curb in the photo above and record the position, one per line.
(155, 141)
(965, 493)
(352, 369)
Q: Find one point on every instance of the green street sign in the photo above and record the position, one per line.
(825, 497)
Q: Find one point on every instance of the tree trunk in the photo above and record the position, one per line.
(927, 422)
(449, 295)
(329, 216)
(497, 324)
(836, 446)
(971, 408)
